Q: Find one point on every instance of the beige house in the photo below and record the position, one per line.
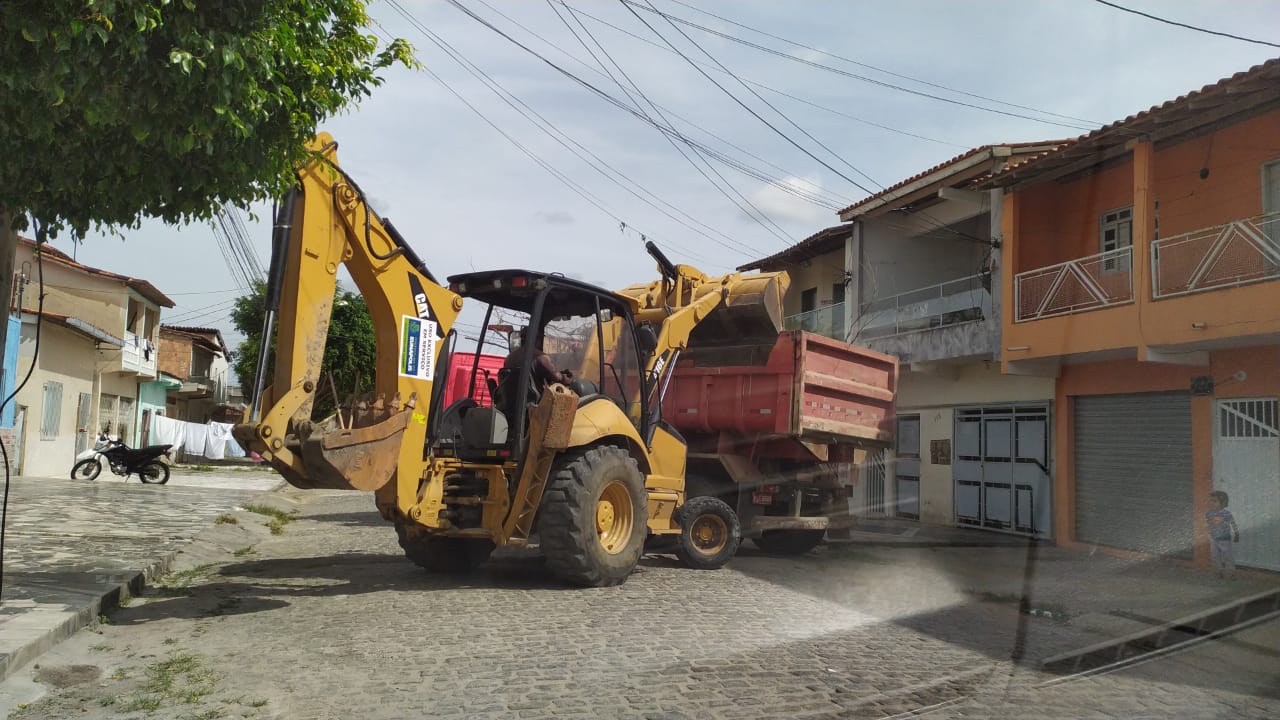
(914, 271)
(98, 340)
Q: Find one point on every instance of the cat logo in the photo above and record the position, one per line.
(424, 308)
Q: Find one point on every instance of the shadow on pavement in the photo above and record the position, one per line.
(260, 585)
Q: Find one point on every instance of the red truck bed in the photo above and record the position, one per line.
(459, 378)
(808, 387)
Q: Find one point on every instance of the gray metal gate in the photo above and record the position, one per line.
(83, 411)
(1133, 472)
(906, 474)
(1001, 468)
(873, 472)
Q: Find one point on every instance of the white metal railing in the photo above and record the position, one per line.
(1237, 253)
(1079, 285)
(138, 354)
(948, 303)
(827, 321)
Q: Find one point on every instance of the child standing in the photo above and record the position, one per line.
(1222, 533)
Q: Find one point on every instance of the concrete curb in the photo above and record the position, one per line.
(32, 634)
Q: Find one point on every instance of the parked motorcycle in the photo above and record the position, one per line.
(150, 464)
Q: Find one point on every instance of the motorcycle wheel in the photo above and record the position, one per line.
(154, 473)
(86, 469)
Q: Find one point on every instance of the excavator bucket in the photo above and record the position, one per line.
(750, 314)
(358, 448)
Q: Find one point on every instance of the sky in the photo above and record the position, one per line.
(466, 197)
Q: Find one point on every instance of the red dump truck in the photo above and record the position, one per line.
(775, 431)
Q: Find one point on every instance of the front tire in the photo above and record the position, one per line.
(789, 542)
(87, 469)
(594, 517)
(154, 473)
(709, 533)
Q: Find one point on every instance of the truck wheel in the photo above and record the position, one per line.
(594, 517)
(709, 533)
(789, 542)
(444, 555)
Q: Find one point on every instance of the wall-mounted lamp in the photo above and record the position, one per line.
(1199, 325)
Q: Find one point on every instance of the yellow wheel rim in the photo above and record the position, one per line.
(615, 517)
(709, 534)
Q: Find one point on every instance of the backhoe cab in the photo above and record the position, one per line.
(585, 461)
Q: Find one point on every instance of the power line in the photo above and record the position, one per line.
(840, 198)
(1184, 25)
(769, 88)
(629, 5)
(549, 128)
(891, 73)
(762, 217)
(855, 76)
(575, 187)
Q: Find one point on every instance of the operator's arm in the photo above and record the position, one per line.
(544, 371)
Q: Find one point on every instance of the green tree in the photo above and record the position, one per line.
(118, 110)
(350, 351)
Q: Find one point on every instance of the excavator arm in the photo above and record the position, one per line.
(325, 223)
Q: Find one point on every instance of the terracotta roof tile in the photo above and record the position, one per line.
(142, 287)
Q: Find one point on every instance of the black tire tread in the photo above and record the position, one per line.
(444, 555)
(567, 538)
(694, 508)
(75, 469)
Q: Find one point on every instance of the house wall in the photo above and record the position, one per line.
(95, 300)
(151, 397)
(1054, 222)
(934, 397)
(1261, 366)
(175, 355)
(820, 272)
(66, 357)
(892, 263)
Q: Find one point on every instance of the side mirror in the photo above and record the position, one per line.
(646, 338)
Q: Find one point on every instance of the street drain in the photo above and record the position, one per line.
(1164, 639)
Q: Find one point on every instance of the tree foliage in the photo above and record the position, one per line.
(115, 110)
(350, 351)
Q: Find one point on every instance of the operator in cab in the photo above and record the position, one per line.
(544, 371)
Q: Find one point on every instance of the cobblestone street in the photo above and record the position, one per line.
(327, 620)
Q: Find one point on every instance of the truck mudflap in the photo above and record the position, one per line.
(760, 523)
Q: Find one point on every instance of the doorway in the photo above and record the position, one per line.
(1246, 465)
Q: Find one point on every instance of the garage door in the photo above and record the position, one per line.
(1133, 472)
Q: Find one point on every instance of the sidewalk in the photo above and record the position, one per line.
(72, 546)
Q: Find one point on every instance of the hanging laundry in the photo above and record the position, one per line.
(197, 436)
(233, 449)
(167, 431)
(215, 447)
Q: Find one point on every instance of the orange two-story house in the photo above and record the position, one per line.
(1144, 274)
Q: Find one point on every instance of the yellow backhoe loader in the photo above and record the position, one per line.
(586, 465)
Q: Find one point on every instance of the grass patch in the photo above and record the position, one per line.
(279, 518)
(201, 468)
(180, 679)
(100, 647)
(186, 578)
(226, 519)
(245, 551)
(259, 703)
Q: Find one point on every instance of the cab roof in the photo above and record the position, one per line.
(516, 289)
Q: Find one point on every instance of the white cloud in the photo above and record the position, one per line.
(780, 204)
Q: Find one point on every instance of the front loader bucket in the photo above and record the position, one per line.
(751, 312)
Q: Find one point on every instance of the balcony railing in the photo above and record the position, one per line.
(1079, 285)
(138, 355)
(949, 303)
(827, 321)
(1237, 253)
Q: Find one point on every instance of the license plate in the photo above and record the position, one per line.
(758, 498)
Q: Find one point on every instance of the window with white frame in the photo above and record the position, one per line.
(1271, 207)
(1115, 232)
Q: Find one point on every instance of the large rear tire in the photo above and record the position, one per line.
(87, 469)
(709, 533)
(154, 473)
(594, 517)
(789, 542)
(444, 555)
